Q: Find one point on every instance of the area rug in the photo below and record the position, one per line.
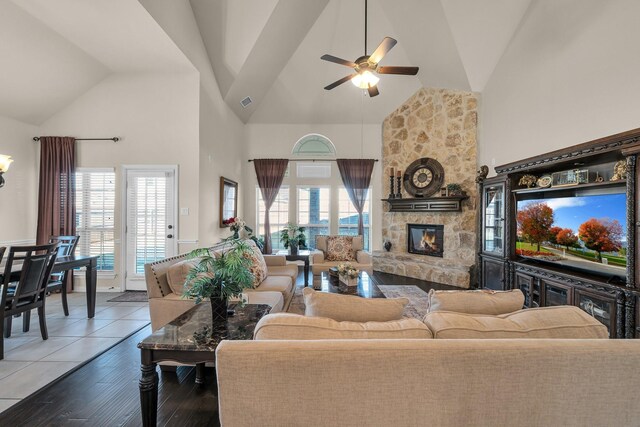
(416, 308)
(131, 296)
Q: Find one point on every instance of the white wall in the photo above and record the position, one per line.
(222, 143)
(277, 141)
(569, 76)
(19, 196)
(156, 117)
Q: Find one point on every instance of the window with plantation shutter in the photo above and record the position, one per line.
(95, 213)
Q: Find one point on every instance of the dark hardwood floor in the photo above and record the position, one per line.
(104, 392)
(382, 279)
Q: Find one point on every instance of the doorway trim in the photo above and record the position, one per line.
(123, 212)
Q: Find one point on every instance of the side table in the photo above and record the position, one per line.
(192, 338)
(302, 255)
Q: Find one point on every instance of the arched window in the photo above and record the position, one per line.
(314, 145)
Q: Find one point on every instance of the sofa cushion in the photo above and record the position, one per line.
(258, 264)
(287, 326)
(352, 308)
(544, 322)
(476, 302)
(280, 284)
(289, 270)
(177, 274)
(340, 248)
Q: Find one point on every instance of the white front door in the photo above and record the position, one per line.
(150, 221)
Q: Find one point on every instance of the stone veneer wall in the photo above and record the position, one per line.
(441, 124)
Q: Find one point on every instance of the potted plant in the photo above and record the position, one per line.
(237, 225)
(348, 274)
(220, 276)
(454, 190)
(293, 237)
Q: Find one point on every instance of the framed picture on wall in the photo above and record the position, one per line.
(228, 200)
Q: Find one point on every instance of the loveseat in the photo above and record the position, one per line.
(319, 262)
(165, 304)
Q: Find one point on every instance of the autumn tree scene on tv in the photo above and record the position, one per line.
(587, 232)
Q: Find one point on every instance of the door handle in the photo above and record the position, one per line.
(169, 227)
(169, 236)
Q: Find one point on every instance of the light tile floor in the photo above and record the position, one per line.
(31, 363)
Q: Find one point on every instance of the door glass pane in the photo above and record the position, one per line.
(493, 219)
(148, 202)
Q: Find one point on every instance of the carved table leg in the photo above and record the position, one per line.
(200, 373)
(148, 390)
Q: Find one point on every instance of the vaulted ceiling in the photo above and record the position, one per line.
(53, 51)
(270, 50)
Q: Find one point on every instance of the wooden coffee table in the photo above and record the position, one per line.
(190, 339)
(367, 287)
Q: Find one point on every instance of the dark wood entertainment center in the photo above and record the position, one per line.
(613, 299)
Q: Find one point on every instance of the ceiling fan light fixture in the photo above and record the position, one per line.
(365, 80)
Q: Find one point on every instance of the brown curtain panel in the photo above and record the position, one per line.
(56, 194)
(270, 173)
(356, 176)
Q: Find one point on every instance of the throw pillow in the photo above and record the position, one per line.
(476, 301)
(287, 326)
(567, 322)
(340, 248)
(177, 274)
(352, 308)
(258, 264)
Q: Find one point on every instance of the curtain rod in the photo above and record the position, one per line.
(313, 160)
(114, 139)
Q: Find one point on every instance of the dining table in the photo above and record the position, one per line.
(71, 262)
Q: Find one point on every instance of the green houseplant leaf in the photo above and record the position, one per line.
(220, 274)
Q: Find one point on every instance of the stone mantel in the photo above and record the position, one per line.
(423, 267)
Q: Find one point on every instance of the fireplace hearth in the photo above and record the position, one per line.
(425, 239)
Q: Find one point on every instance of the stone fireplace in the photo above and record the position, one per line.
(439, 124)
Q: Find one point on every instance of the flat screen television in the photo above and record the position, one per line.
(585, 232)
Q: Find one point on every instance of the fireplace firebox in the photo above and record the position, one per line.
(425, 239)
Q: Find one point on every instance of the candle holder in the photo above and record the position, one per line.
(392, 194)
(399, 193)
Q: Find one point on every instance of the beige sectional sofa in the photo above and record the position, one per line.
(276, 289)
(429, 382)
(451, 369)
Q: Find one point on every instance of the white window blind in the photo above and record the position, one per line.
(95, 213)
(149, 201)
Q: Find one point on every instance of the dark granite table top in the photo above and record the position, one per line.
(193, 331)
(367, 287)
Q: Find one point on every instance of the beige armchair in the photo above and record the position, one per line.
(319, 264)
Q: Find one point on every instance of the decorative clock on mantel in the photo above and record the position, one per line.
(423, 177)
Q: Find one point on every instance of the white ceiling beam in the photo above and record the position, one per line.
(282, 34)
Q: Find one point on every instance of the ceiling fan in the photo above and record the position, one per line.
(367, 66)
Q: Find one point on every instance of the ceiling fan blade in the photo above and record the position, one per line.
(373, 91)
(382, 50)
(339, 82)
(337, 60)
(409, 71)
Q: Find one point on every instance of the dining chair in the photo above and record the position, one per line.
(25, 289)
(57, 281)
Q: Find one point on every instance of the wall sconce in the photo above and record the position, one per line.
(5, 161)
